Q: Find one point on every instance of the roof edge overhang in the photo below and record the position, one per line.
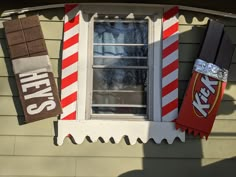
(181, 7)
(219, 5)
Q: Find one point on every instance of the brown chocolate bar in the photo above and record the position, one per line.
(32, 68)
(25, 37)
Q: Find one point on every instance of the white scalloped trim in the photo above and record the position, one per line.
(107, 129)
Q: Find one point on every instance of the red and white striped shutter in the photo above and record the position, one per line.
(70, 57)
(170, 62)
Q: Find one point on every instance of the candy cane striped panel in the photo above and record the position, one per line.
(170, 64)
(70, 57)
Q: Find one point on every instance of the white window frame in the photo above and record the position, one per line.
(111, 128)
(150, 59)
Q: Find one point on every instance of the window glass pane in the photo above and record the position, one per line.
(111, 50)
(119, 79)
(118, 110)
(120, 62)
(116, 97)
(120, 67)
(121, 32)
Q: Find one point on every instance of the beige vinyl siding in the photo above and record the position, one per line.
(29, 150)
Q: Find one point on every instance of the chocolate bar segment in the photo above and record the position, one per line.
(36, 46)
(19, 50)
(30, 22)
(31, 65)
(33, 33)
(11, 26)
(211, 41)
(225, 53)
(16, 37)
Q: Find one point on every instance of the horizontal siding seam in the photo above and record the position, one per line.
(76, 158)
(187, 138)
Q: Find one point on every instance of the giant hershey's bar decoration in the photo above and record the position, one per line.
(206, 88)
(32, 68)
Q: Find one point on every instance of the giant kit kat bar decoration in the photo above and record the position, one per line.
(32, 69)
(206, 87)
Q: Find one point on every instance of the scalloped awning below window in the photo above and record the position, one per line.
(134, 130)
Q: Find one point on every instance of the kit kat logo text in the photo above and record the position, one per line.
(37, 92)
(205, 94)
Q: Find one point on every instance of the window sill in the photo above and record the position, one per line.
(106, 129)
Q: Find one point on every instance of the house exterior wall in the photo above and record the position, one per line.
(29, 150)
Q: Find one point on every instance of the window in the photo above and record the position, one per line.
(119, 75)
(120, 68)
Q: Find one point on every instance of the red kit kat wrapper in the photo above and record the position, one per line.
(200, 105)
(206, 87)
